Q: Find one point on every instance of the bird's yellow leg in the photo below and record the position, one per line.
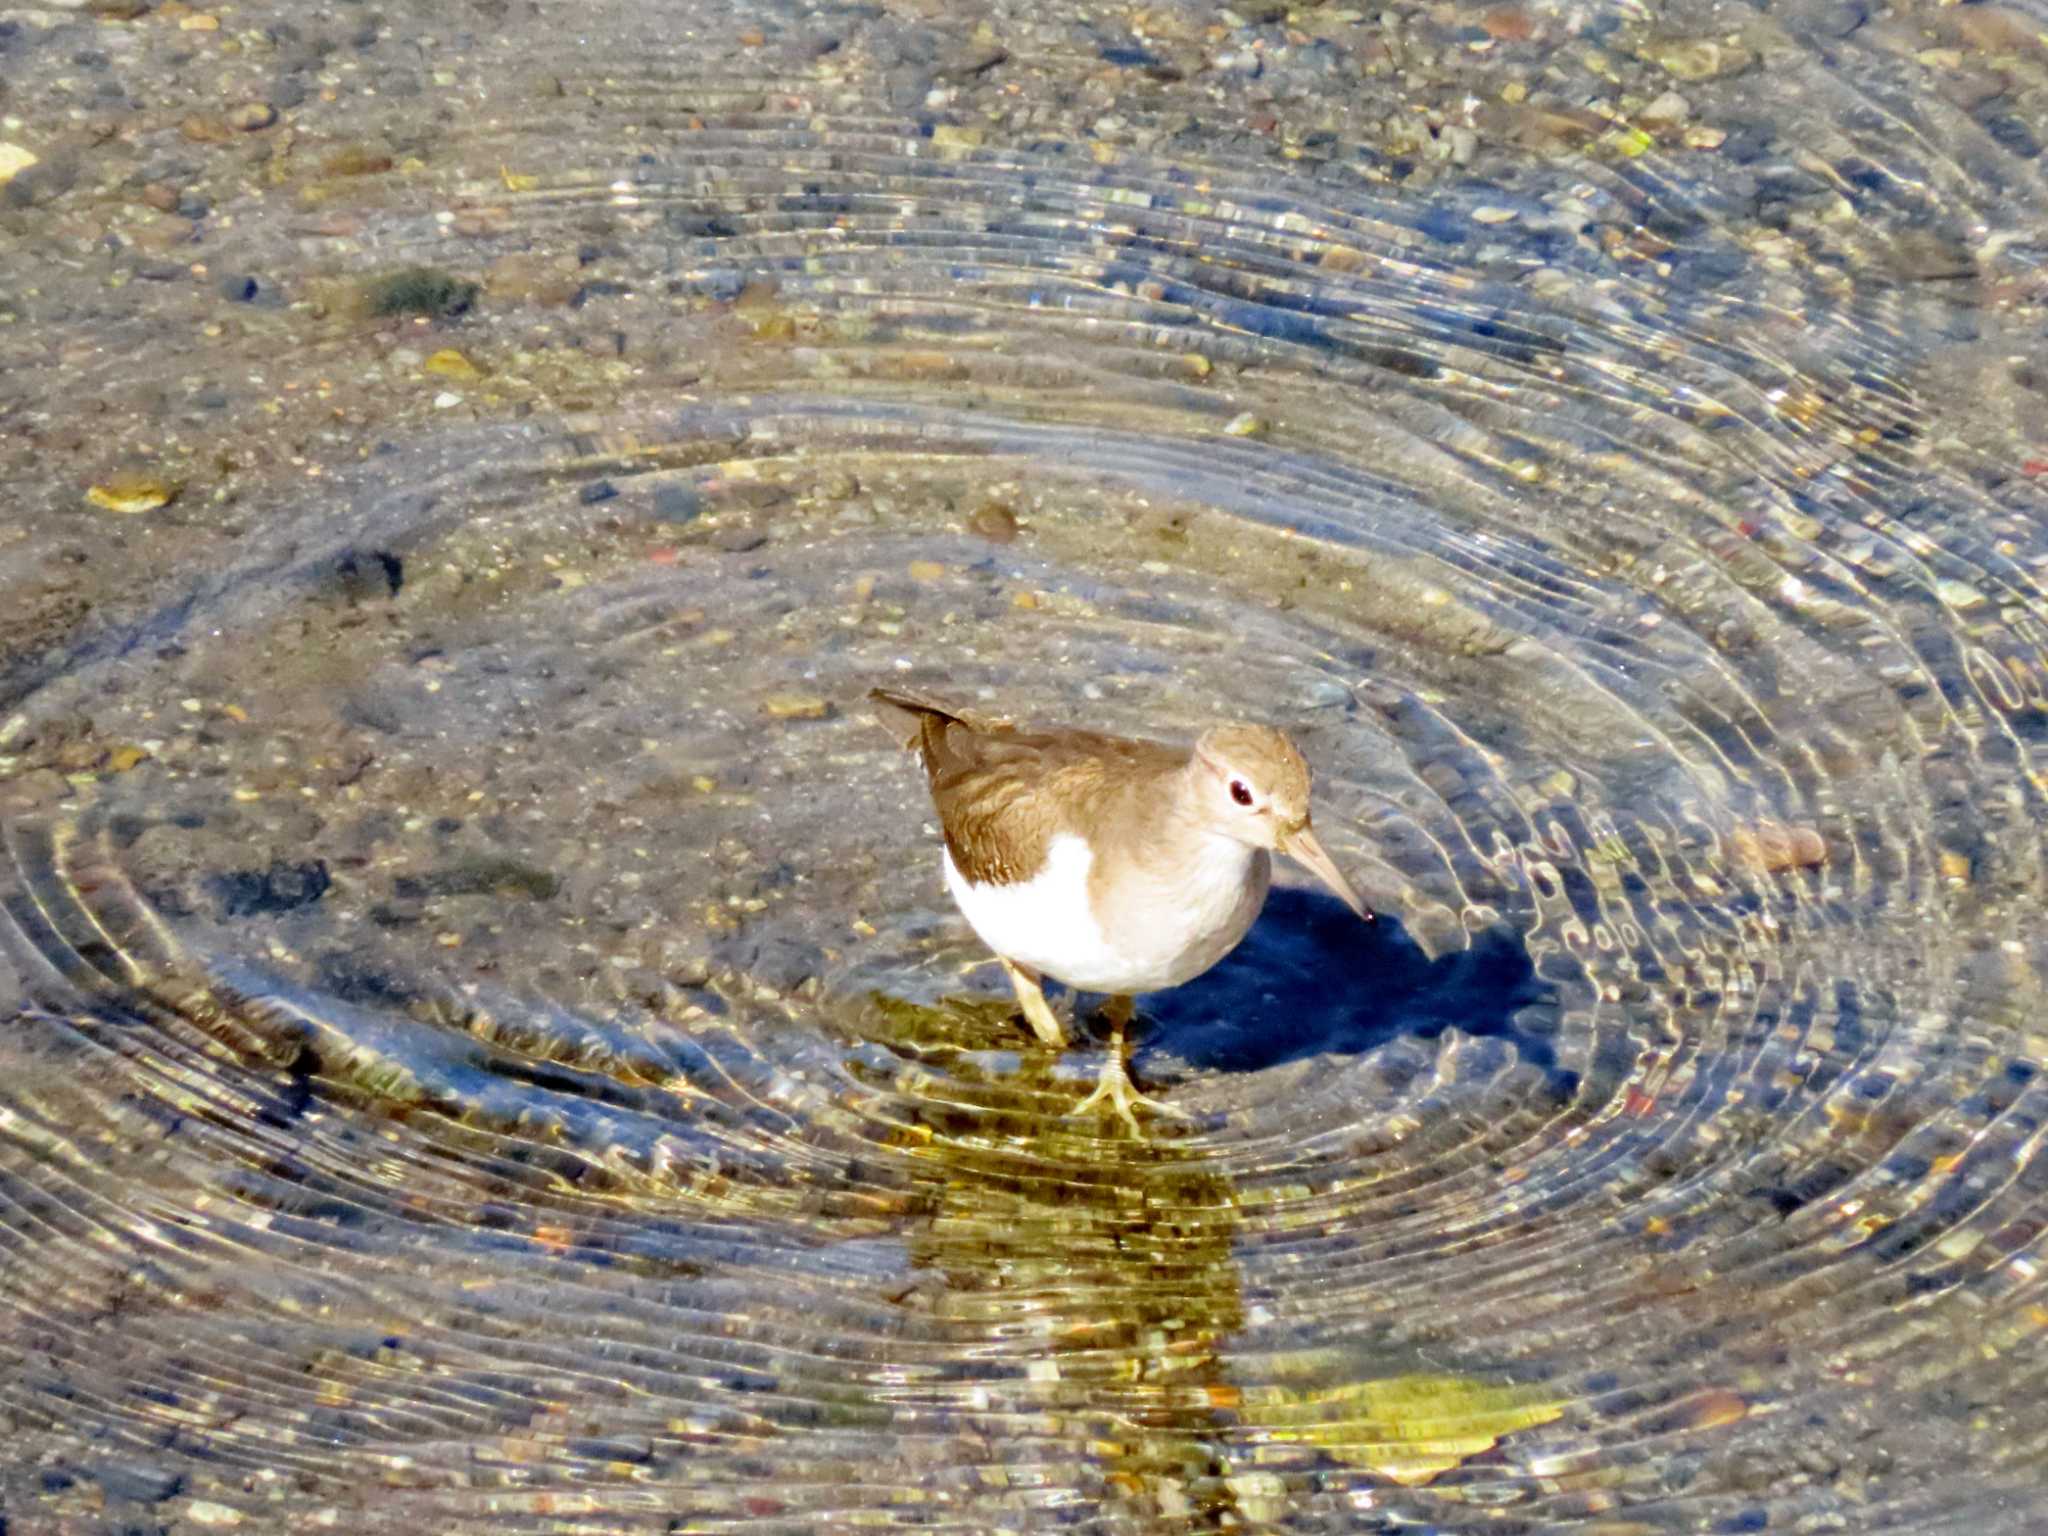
(1114, 1087)
(1037, 1012)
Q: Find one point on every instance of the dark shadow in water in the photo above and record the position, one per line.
(1311, 979)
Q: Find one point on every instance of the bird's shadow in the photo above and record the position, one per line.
(1311, 979)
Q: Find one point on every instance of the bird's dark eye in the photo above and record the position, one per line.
(1240, 791)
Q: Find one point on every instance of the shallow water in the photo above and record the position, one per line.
(485, 1041)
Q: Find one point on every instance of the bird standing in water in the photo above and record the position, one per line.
(1110, 864)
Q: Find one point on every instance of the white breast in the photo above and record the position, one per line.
(1046, 922)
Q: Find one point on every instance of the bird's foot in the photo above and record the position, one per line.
(1037, 1011)
(1115, 1090)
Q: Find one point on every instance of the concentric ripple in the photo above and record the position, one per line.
(488, 1047)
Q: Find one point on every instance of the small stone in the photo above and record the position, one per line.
(199, 21)
(1971, 89)
(205, 128)
(1924, 255)
(13, 161)
(355, 160)
(133, 493)
(32, 791)
(955, 139)
(1458, 144)
(252, 115)
(1711, 1409)
(975, 58)
(1246, 424)
(796, 706)
(1697, 58)
(994, 522)
(451, 364)
(738, 538)
(1669, 110)
(124, 758)
(447, 400)
(1628, 141)
(1492, 214)
(1838, 18)
(1955, 867)
(1509, 24)
(1993, 29)
(926, 570)
(137, 1481)
(205, 1512)
(530, 276)
(1773, 846)
(678, 503)
(419, 291)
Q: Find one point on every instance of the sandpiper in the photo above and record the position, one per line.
(1110, 864)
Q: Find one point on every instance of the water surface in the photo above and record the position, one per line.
(485, 1043)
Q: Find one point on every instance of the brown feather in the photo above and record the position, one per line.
(1002, 794)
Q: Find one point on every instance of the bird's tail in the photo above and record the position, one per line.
(905, 712)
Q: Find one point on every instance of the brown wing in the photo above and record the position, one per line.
(1002, 794)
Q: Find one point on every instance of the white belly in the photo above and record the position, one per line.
(1047, 923)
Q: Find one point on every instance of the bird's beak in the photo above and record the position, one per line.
(1300, 844)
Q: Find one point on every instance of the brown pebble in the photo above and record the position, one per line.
(252, 115)
(32, 791)
(1711, 1409)
(796, 706)
(531, 277)
(1509, 23)
(161, 196)
(132, 493)
(205, 128)
(994, 522)
(1773, 846)
(926, 570)
(1994, 29)
(1972, 88)
(738, 538)
(1697, 58)
(355, 160)
(162, 234)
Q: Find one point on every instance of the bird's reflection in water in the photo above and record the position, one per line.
(1091, 1291)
